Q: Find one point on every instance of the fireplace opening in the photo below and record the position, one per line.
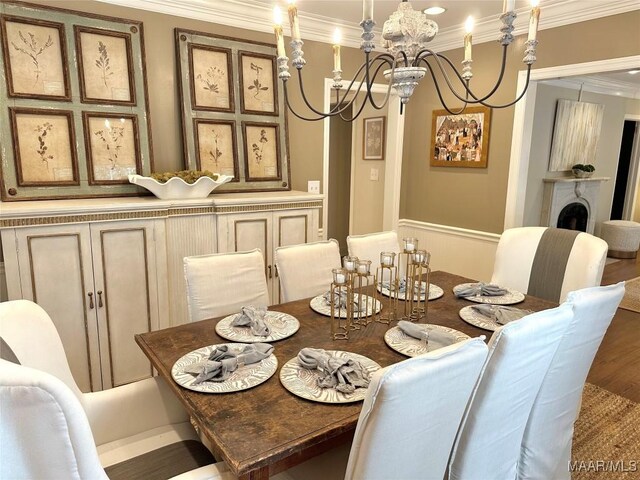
(574, 217)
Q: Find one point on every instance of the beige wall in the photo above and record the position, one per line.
(476, 198)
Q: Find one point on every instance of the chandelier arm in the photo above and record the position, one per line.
(334, 111)
(388, 94)
(446, 79)
(444, 104)
(518, 98)
(321, 116)
(353, 117)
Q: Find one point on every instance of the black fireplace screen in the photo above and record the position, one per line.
(574, 217)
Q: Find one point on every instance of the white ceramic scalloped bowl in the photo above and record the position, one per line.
(176, 187)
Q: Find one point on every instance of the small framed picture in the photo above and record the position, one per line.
(216, 146)
(373, 138)
(44, 147)
(105, 66)
(257, 83)
(261, 151)
(113, 148)
(211, 86)
(460, 140)
(35, 53)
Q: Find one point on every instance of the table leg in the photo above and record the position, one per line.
(259, 474)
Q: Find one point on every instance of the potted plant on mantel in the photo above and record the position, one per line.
(583, 171)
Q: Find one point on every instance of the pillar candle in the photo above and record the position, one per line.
(293, 20)
(367, 10)
(468, 25)
(336, 50)
(533, 21)
(508, 6)
(277, 28)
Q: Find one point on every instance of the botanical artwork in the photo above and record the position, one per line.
(373, 138)
(104, 66)
(216, 143)
(460, 140)
(576, 134)
(211, 76)
(112, 147)
(261, 151)
(44, 147)
(257, 82)
(36, 58)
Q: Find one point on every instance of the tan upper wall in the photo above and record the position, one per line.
(476, 198)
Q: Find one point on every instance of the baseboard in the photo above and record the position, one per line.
(465, 252)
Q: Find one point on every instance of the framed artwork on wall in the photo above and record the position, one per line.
(76, 84)
(44, 147)
(210, 77)
(261, 151)
(113, 148)
(460, 140)
(373, 138)
(233, 116)
(257, 82)
(35, 53)
(217, 149)
(104, 66)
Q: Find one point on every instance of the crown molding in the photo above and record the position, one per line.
(253, 15)
(597, 84)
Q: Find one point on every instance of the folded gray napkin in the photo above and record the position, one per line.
(340, 300)
(402, 286)
(253, 317)
(501, 314)
(478, 289)
(338, 373)
(222, 362)
(436, 338)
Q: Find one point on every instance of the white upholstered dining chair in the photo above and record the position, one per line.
(407, 424)
(546, 446)
(369, 246)
(305, 270)
(50, 429)
(488, 443)
(548, 262)
(222, 283)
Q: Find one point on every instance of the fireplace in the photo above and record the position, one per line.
(571, 203)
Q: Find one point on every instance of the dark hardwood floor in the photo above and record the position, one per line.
(617, 363)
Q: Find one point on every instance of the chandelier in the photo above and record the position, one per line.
(407, 60)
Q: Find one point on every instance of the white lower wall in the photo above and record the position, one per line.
(469, 253)
(3, 284)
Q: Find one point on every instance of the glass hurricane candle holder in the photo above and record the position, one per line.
(410, 244)
(387, 259)
(339, 276)
(363, 267)
(349, 263)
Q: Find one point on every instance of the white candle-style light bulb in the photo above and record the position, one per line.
(534, 20)
(277, 28)
(277, 16)
(337, 66)
(468, 26)
(337, 36)
(535, 3)
(293, 20)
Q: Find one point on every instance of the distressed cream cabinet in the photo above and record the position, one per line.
(106, 269)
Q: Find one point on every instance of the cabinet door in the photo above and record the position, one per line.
(290, 227)
(124, 260)
(56, 273)
(247, 231)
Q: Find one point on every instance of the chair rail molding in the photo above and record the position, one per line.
(523, 119)
(469, 253)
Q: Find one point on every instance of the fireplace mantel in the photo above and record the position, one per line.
(562, 191)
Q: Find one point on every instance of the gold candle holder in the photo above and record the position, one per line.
(387, 277)
(340, 315)
(361, 280)
(419, 268)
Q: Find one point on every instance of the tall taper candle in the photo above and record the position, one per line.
(367, 10)
(533, 21)
(293, 20)
(336, 50)
(508, 6)
(468, 25)
(277, 28)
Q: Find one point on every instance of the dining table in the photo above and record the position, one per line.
(266, 429)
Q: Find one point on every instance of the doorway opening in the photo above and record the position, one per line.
(626, 185)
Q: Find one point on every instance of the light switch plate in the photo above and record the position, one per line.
(373, 175)
(313, 186)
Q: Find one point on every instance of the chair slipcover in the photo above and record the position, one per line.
(369, 247)
(223, 283)
(305, 270)
(546, 446)
(517, 250)
(488, 444)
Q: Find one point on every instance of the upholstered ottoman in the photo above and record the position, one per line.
(622, 236)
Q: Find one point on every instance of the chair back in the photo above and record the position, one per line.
(223, 283)
(548, 262)
(305, 270)
(411, 414)
(44, 432)
(30, 333)
(546, 445)
(369, 247)
(488, 444)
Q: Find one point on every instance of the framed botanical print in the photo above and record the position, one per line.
(216, 146)
(257, 83)
(112, 144)
(35, 53)
(373, 138)
(233, 114)
(105, 66)
(44, 147)
(261, 151)
(211, 71)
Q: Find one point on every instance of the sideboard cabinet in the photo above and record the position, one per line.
(106, 269)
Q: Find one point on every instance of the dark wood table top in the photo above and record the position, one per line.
(266, 429)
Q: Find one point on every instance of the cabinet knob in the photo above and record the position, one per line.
(270, 273)
(100, 305)
(91, 306)
(276, 269)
